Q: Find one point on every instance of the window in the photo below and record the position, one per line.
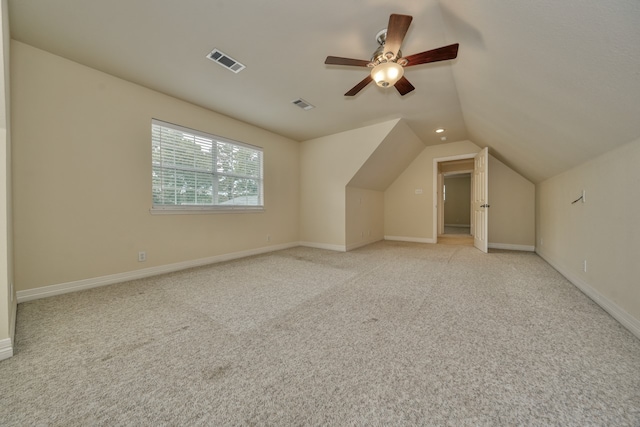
(194, 170)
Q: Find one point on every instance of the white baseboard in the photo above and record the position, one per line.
(12, 321)
(360, 244)
(617, 312)
(458, 225)
(94, 282)
(6, 349)
(328, 246)
(510, 247)
(410, 239)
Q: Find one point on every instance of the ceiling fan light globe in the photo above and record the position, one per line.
(387, 74)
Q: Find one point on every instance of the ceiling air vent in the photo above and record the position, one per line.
(303, 104)
(226, 61)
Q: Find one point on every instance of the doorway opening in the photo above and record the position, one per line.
(455, 213)
(456, 198)
(470, 173)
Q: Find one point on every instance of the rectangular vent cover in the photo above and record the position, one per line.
(303, 104)
(226, 61)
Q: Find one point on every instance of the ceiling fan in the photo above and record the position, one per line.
(387, 62)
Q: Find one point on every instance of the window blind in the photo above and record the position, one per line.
(192, 169)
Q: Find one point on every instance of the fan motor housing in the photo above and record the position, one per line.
(380, 56)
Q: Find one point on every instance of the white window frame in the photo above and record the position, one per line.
(208, 208)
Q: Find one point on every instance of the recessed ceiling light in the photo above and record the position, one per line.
(439, 130)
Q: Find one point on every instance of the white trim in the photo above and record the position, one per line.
(6, 349)
(78, 285)
(360, 244)
(410, 239)
(458, 225)
(327, 246)
(510, 247)
(617, 312)
(204, 210)
(12, 324)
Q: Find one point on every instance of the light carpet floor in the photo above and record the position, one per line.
(389, 334)
(455, 239)
(457, 230)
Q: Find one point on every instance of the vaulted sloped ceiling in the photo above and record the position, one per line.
(546, 85)
(394, 154)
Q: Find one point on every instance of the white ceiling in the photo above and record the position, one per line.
(546, 85)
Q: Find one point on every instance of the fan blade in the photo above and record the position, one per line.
(336, 60)
(403, 86)
(435, 55)
(396, 30)
(357, 88)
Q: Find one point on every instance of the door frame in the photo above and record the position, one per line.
(437, 191)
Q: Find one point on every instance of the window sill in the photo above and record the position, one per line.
(205, 210)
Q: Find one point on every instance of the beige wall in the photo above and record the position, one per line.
(457, 207)
(364, 217)
(7, 294)
(512, 213)
(343, 177)
(408, 215)
(604, 230)
(82, 177)
(327, 165)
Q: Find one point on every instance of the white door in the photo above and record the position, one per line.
(440, 204)
(481, 200)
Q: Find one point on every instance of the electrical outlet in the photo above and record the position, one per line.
(268, 237)
(541, 241)
(584, 196)
(142, 256)
(584, 265)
